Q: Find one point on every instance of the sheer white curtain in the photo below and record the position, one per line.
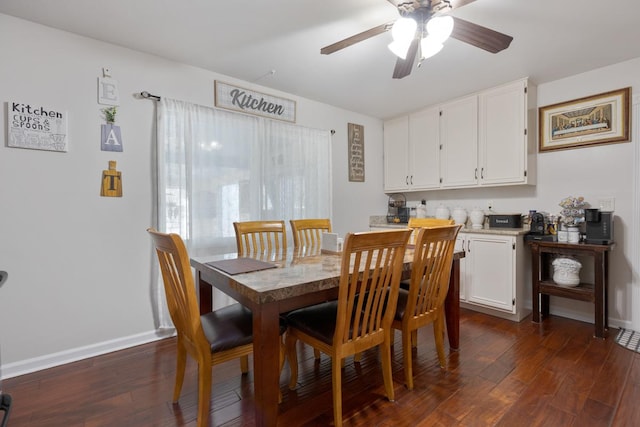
(216, 167)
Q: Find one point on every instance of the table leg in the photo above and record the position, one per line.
(452, 306)
(545, 274)
(205, 294)
(599, 290)
(606, 290)
(535, 283)
(266, 363)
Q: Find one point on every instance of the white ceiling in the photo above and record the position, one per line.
(249, 39)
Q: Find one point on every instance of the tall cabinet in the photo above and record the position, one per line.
(484, 139)
(506, 146)
(458, 139)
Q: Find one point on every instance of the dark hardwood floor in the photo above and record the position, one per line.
(505, 374)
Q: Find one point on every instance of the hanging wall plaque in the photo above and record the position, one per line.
(36, 126)
(356, 152)
(251, 102)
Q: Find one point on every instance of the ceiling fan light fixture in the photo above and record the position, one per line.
(403, 30)
(440, 28)
(428, 47)
(400, 49)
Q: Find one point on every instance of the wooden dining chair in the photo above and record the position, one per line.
(308, 232)
(307, 236)
(361, 316)
(423, 302)
(416, 223)
(211, 338)
(261, 239)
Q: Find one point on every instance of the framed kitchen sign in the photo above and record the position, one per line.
(248, 101)
(593, 120)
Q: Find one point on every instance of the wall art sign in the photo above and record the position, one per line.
(251, 102)
(36, 126)
(111, 181)
(108, 93)
(111, 138)
(593, 120)
(356, 152)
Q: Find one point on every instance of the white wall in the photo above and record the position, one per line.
(79, 264)
(596, 172)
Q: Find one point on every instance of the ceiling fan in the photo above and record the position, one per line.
(430, 27)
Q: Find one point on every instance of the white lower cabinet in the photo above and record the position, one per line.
(494, 275)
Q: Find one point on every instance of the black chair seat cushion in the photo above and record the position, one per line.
(318, 321)
(230, 327)
(403, 297)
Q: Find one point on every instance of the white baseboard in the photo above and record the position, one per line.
(73, 355)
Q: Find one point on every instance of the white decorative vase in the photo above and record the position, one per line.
(566, 272)
(477, 218)
(563, 235)
(459, 215)
(442, 212)
(573, 234)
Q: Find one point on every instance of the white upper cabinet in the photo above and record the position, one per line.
(485, 139)
(459, 140)
(424, 149)
(411, 152)
(396, 154)
(503, 136)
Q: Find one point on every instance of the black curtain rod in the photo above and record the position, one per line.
(147, 95)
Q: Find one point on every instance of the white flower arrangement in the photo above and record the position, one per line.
(572, 212)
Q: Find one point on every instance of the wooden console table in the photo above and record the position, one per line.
(543, 285)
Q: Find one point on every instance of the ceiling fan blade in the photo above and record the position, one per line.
(403, 66)
(459, 3)
(356, 39)
(479, 36)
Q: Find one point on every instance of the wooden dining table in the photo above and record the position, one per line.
(300, 279)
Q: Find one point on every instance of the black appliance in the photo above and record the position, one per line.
(5, 399)
(599, 230)
(398, 212)
(537, 224)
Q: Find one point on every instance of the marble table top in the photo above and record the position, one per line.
(296, 274)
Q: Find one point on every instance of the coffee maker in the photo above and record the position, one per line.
(537, 223)
(599, 226)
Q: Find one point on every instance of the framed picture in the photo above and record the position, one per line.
(593, 120)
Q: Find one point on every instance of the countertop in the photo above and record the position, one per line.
(380, 221)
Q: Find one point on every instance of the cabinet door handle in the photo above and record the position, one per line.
(482, 173)
(468, 245)
(406, 180)
(411, 179)
(476, 173)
